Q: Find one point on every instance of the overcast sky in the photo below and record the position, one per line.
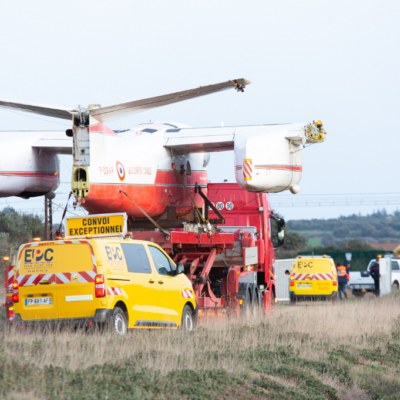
(337, 61)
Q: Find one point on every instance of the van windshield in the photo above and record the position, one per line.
(313, 266)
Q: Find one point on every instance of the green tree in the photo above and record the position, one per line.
(356, 245)
(20, 227)
(294, 241)
(4, 251)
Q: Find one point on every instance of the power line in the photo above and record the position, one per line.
(342, 194)
(339, 203)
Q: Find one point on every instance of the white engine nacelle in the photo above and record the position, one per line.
(270, 158)
(26, 171)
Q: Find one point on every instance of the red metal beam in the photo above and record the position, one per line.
(205, 238)
(194, 265)
(206, 270)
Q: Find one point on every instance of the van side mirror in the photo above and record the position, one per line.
(287, 272)
(180, 268)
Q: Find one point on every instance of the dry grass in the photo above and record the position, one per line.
(343, 338)
(305, 327)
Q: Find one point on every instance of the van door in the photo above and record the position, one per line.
(35, 275)
(75, 280)
(169, 287)
(143, 298)
(314, 277)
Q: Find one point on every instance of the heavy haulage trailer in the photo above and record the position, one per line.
(230, 262)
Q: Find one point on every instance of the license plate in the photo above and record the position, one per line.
(304, 286)
(38, 302)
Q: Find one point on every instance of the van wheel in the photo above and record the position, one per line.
(187, 323)
(395, 287)
(119, 323)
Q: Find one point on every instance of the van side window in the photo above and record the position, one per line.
(136, 258)
(161, 262)
(395, 266)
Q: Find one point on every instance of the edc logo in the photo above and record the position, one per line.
(113, 254)
(32, 255)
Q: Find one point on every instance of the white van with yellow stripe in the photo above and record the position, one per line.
(123, 283)
(313, 278)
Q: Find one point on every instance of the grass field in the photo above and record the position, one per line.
(314, 242)
(349, 350)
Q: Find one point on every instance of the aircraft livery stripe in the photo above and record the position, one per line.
(283, 167)
(30, 173)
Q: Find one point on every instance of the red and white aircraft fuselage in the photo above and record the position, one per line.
(136, 162)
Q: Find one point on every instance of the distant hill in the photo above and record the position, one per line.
(379, 227)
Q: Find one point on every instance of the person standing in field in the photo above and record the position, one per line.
(343, 278)
(375, 276)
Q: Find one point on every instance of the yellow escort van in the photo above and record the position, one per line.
(119, 283)
(313, 278)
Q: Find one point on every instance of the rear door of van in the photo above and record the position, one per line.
(36, 278)
(314, 276)
(76, 271)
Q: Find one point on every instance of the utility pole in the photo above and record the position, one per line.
(48, 219)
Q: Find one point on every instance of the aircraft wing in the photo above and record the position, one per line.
(208, 140)
(200, 140)
(54, 142)
(103, 114)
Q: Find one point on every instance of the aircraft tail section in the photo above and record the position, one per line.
(41, 109)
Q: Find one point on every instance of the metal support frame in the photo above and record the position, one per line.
(81, 139)
(48, 219)
(168, 219)
(198, 287)
(207, 205)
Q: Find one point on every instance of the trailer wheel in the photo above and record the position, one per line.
(246, 307)
(256, 303)
(118, 322)
(187, 323)
(395, 286)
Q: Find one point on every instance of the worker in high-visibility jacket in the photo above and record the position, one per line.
(343, 278)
